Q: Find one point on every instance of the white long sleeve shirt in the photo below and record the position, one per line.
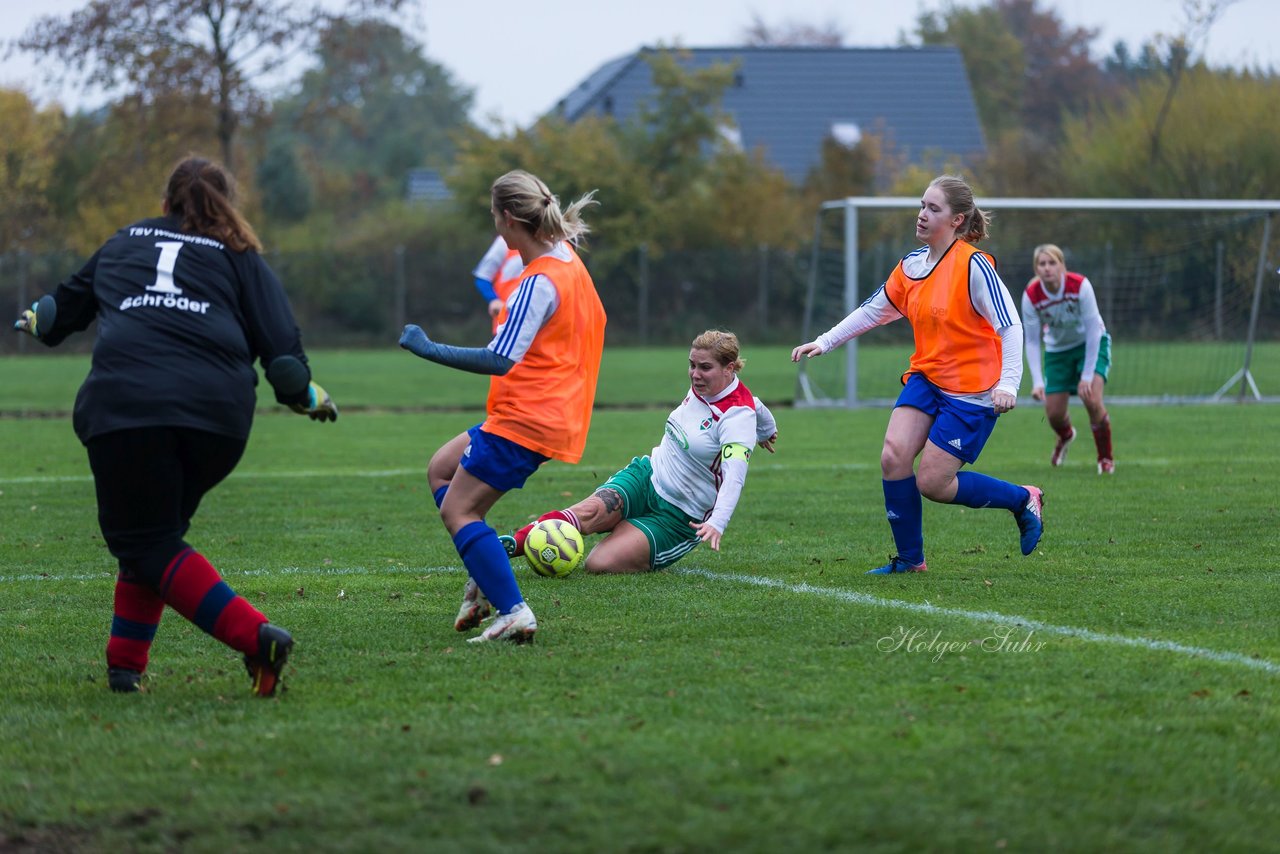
(990, 298)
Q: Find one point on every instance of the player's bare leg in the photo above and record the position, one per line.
(625, 550)
(601, 512)
(444, 462)
(594, 514)
(936, 478)
(1055, 409)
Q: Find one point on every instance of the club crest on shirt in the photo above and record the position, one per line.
(706, 424)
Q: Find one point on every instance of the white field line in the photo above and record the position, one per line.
(852, 596)
(993, 617)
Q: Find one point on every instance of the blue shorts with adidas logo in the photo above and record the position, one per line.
(960, 428)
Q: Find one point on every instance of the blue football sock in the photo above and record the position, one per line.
(487, 561)
(980, 490)
(902, 507)
(438, 495)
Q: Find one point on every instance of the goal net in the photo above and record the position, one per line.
(1186, 288)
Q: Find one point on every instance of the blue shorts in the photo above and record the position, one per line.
(959, 428)
(499, 462)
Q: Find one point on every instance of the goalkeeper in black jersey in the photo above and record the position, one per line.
(185, 305)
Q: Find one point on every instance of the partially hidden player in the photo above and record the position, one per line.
(544, 363)
(185, 305)
(661, 506)
(496, 276)
(964, 373)
(1060, 308)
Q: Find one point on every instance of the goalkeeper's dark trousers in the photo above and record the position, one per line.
(149, 482)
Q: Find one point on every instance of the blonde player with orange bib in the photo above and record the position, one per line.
(964, 373)
(544, 362)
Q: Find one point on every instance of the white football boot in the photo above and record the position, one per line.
(518, 627)
(475, 607)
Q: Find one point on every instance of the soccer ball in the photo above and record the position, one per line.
(554, 548)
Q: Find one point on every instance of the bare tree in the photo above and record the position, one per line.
(1199, 17)
(792, 34)
(216, 50)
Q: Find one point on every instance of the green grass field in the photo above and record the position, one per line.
(1115, 691)
(642, 376)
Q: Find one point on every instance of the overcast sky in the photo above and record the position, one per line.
(521, 57)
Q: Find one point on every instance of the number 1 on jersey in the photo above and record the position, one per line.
(164, 267)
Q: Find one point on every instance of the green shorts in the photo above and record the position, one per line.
(1062, 369)
(665, 525)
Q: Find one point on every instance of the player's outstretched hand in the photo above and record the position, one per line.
(708, 534)
(319, 406)
(26, 322)
(415, 340)
(768, 444)
(811, 349)
(38, 319)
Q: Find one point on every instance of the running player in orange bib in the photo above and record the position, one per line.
(544, 362)
(963, 374)
(497, 276)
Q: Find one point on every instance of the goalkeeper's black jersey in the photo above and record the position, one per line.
(181, 319)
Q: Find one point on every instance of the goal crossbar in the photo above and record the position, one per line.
(852, 204)
(1029, 203)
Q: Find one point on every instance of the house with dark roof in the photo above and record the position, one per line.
(787, 100)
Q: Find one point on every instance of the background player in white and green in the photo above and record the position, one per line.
(661, 506)
(1061, 309)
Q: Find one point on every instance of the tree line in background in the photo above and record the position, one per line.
(322, 167)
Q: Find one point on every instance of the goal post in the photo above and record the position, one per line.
(1181, 284)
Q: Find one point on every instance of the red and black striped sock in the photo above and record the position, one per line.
(138, 609)
(193, 588)
(563, 515)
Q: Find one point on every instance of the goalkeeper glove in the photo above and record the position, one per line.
(38, 319)
(319, 406)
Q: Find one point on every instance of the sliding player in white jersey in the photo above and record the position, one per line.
(658, 508)
(1061, 308)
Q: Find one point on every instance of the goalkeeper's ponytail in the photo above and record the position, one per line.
(201, 194)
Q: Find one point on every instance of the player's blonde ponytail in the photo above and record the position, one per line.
(531, 202)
